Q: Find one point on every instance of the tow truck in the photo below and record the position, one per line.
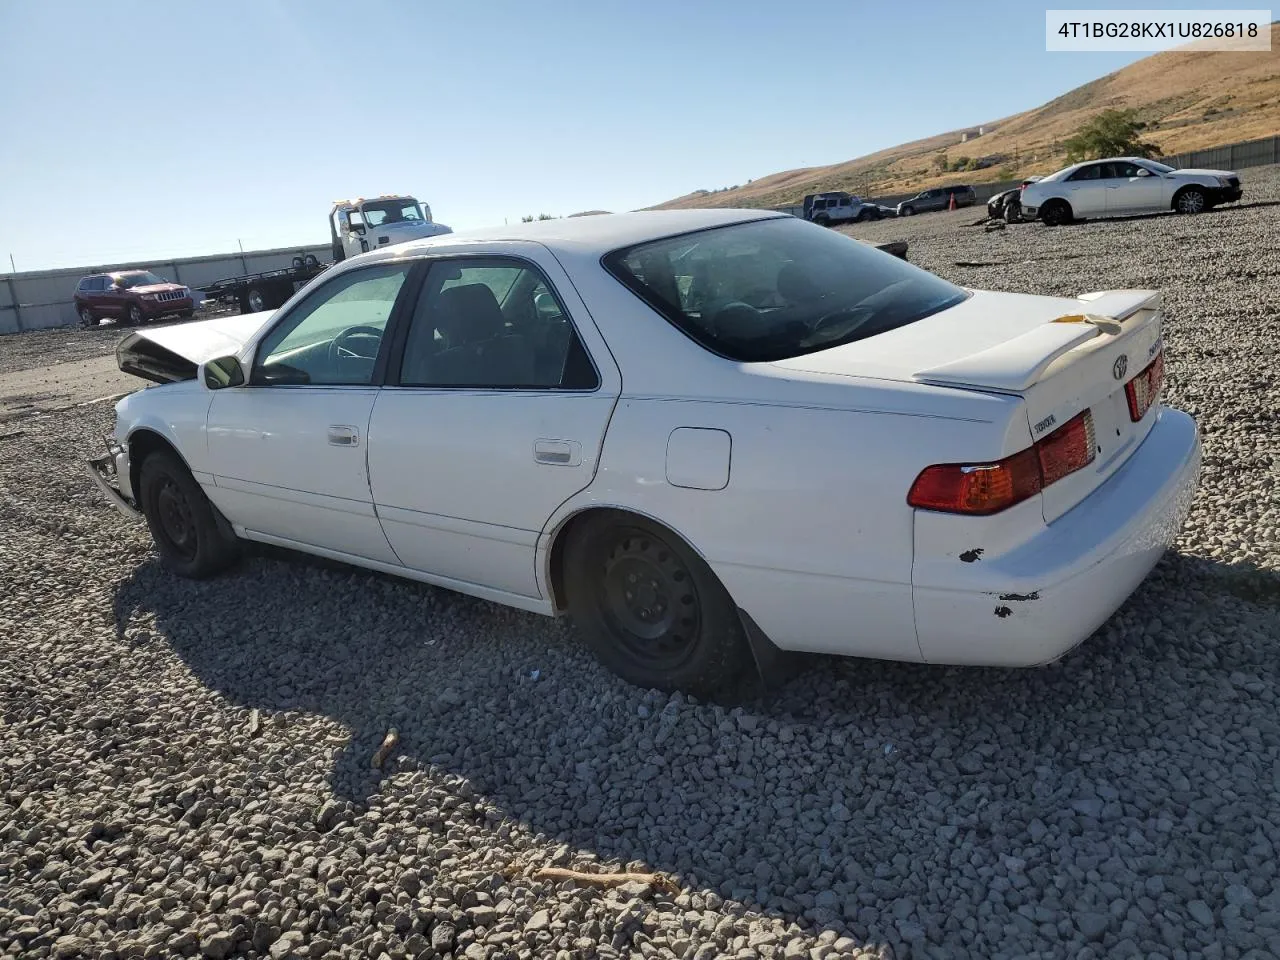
(355, 226)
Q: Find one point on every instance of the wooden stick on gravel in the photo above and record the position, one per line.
(383, 751)
(659, 881)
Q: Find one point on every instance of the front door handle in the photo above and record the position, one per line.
(560, 453)
(341, 436)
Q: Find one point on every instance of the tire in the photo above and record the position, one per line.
(134, 314)
(310, 261)
(1012, 211)
(87, 319)
(1055, 213)
(1191, 200)
(822, 220)
(907, 212)
(862, 217)
(255, 300)
(678, 631)
(192, 539)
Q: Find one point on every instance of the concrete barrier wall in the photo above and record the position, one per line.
(43, 298)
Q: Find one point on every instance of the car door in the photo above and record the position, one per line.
(1086, 191)
(288, 448)
(493, 414)
(109, 298)
(1133, 189)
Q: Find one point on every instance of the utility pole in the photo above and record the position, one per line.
(12, 267)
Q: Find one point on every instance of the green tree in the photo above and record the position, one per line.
(940, 161)
(1109, 134)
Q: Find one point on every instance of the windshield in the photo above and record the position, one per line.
(1161, 167)
(378, 212)
(778, 288)
(144, 279)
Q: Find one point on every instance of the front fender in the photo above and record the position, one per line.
(177, 413)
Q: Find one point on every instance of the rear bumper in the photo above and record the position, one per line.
(110, 474)
(1035, 603)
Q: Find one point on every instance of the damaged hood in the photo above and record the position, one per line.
(173, 352)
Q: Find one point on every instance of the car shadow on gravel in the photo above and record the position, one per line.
(856, 784)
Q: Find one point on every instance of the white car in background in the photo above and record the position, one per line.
(705, 434)
(1125, 186)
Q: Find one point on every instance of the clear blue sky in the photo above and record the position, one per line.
(153, 129)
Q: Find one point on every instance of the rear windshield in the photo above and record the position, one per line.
(772, 289)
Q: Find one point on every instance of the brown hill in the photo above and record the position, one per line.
(1190, 100)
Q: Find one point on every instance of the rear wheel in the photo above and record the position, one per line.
(189, 536)
(1191, 200)
(1055, 213)
(907, 212)
(255, 301)
(650, 608)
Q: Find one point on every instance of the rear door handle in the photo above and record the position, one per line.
(341, 436)
(560, 453)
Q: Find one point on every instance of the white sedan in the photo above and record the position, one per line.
(1124, 186)
(705, 435)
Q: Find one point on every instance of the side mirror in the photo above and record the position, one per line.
(355, 227)
(1144, 172)
(222, 372)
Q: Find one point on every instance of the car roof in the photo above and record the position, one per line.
(599, 233)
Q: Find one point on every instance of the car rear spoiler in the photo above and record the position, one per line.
(1016, 364)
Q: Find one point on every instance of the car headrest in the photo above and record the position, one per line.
(472, 313)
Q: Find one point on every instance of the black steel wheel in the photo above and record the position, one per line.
(650, 608)
(191, 538)
(1055, 213)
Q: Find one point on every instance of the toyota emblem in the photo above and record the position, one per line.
(1120, 366)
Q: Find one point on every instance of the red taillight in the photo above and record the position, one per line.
(1142, 390)
(979, 489)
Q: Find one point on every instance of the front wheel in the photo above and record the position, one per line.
(650, 608)
(188, 534)
(134, 314)
(1012, 211)
(1055, 213)
(1191, 200)
(87, 319)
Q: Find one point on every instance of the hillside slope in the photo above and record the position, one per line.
(1191, 100)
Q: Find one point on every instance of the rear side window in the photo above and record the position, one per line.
(777, 288)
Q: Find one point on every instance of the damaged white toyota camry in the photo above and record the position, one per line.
(706, 435)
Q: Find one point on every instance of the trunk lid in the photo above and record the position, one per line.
(1061, 355)
(170, 353)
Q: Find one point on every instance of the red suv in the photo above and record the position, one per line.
(130, 296)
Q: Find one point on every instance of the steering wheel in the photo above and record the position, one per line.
(832, 324)
(340, 349)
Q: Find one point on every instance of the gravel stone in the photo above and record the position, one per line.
(185, 766)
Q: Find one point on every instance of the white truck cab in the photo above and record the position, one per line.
(359, 225)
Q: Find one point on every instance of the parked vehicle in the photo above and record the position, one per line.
(706, 434)
(355, 227)
(938, 198)
(1007, 205)
(256, 292)
(130, 296)
(1123, 186)
(836, 206)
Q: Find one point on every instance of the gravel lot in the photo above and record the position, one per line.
(185, 768)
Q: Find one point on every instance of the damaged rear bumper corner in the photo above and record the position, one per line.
(109, 473)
